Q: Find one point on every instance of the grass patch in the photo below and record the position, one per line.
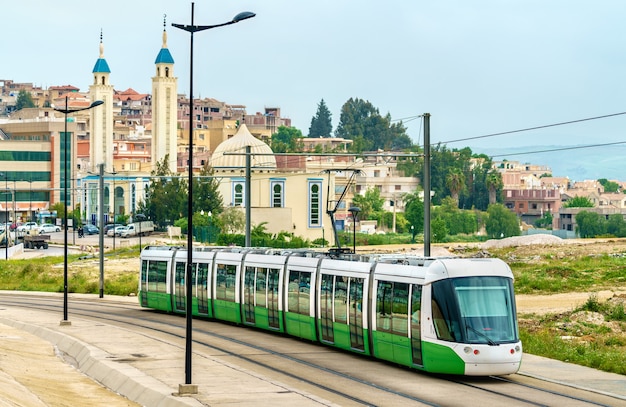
(596, 342)
(46, 274)
(547, 273)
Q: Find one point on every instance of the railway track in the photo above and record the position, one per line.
(343, 378)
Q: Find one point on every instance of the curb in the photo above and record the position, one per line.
(117, 377)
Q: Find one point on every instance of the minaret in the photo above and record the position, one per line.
(101, 123)
(164, 107)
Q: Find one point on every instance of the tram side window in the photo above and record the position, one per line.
(261, 287)
(144, 273)
(341, 296)
(299, 292)
(392, 307)
(225, 282)
(157, 276)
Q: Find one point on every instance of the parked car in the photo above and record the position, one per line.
(27, 226)
(90, 230)
(110, 226)
(116, 231)
(48, 228)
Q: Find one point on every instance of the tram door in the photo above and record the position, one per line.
(355, 313)
(179, 287)
(416, 335)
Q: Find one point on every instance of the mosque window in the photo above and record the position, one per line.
(238, 193)
(278, 194)
(315, 203)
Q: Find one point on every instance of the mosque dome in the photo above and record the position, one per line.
(237, 144)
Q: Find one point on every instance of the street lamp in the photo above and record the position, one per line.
(66, 111)
(354, 210)
(188, 387)
(6, 216)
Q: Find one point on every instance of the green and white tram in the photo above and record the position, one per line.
(450, 315)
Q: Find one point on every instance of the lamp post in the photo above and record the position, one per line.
(191, 29)
(66, 111)
(354, 210)
(6, 216)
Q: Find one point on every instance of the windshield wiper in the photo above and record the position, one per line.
(477, 332)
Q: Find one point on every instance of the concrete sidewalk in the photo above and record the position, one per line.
(146, 371)
(110, 356)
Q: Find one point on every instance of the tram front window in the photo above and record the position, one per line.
(478, 310)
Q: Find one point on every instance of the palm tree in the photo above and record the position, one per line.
(494, 184)
(455, 181)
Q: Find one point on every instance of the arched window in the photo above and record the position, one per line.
(167, 72)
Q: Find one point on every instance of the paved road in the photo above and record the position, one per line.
(86, 244)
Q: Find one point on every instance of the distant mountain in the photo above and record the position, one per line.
(568, 161)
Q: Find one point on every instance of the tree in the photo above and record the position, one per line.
(456, 220)
(321, 125)
(609, 186)
(590, 224)
(494, 184)
(369, 203)
(616, 225)
(501, 222)
(545, 221)
(361, 122)
(287, 140)
(24, 100)
(206, 193)
(166, 199)
(578, 202)
(455, 181)
(233, 219)
(414, 212)
(438, 230)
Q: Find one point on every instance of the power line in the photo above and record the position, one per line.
(560, 149)
(534, 128)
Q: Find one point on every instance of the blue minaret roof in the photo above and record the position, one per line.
(164, 57)
(101, 66)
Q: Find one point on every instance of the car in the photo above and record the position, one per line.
(116, 231)
(48, 228)
(110, 226)
(90, 230)
(27, 226)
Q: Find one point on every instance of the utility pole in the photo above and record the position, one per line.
(101, 221)
(426, 184)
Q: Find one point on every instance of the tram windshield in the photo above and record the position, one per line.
(475, 310)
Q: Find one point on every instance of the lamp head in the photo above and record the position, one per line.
(96, 103)
(244, 15)
(354, 210)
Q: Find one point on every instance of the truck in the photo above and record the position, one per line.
(36, 241)
(138, 229)
(32, 239)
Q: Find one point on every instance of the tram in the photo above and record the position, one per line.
(439, 315)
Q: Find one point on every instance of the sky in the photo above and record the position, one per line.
(479, 68)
